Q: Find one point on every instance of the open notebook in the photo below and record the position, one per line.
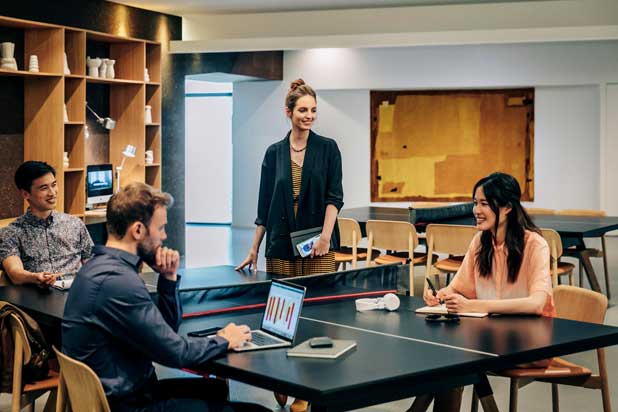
(441, 310)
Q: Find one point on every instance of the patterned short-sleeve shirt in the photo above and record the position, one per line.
(57, 244)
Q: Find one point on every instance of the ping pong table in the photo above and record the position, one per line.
(398, 354)
(572, 229)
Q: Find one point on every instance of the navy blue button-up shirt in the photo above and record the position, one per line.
(111, 324)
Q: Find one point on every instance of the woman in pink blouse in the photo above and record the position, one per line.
(506, 269)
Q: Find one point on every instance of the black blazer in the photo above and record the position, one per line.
(320, 186)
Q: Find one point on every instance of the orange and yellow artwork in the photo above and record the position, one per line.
(435, 145)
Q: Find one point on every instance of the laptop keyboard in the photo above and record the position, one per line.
(261, 339)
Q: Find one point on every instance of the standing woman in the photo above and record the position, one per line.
(300, 188)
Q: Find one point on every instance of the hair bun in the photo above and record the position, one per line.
(296, 84)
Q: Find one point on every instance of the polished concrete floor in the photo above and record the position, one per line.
(218, 245)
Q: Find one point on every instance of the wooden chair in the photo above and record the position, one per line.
(592, 252)
(558, 268)
(575, 304)
(398, 237)
(349, 252)
(26, 395)
(453, 240)
(534, 211)
(80, 389)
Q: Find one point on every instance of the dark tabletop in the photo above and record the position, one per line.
(212, 277)
(576, 226)
(398, 353)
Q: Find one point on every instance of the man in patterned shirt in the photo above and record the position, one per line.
(42, 243)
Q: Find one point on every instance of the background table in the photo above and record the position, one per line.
(572, 229)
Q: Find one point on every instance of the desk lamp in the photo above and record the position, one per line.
(107, 122)
(129, 151)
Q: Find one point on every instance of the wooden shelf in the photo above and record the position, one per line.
(112, 81)
(46, 136)
(23, 73)
(153, 124)
(153, 165)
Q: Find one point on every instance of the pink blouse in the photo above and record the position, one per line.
(534, 274)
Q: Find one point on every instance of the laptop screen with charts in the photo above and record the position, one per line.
(280, 319)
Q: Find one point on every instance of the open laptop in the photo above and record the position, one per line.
(280, 319)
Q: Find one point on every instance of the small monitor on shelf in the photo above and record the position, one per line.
(99, 184)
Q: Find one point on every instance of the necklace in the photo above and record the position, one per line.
(298, 150)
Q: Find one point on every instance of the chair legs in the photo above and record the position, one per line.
(513, 395)
(554, 398)
(607, 407)
(474, 407)
(605, 267)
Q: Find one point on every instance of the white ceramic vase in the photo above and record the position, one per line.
(33, 64)
(148, 114)
(110, 73)
(93, 66)
(146, 75)
(66, 65)
(8, 61)
(103, 68)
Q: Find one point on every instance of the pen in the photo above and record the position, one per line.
(433, 290)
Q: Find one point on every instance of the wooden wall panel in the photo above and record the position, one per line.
(44, 125)
(434, 145)
(127, 108)
(47, 45)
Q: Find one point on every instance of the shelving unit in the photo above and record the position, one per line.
(47, 135)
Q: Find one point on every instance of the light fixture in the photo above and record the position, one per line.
(129, 151)
(107, 122)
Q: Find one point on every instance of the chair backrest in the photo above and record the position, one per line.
(555, 252)
(581, 212)
(427, 205)
(451, 239)
(4, 278)
(80, 385)
(540, 211)
(349, 232)
(554, 241)
(390, 235)
(579, 304)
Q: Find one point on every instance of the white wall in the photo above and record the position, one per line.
(610, 170)
(569, 80)
(567, 148)
(258, 121)
(208, 134)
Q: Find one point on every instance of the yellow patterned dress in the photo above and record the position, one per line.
(300, 266)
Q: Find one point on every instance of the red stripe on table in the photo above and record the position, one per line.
(262, 305)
